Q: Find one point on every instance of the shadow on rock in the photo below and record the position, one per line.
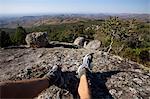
(70, 84)
(53, 45)
(62, 45)
(97, 84)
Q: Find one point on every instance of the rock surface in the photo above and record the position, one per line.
(94, 45)
(79, 41)
(111, 77)
(37, 39)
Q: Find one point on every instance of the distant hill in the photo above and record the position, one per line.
(31, 21)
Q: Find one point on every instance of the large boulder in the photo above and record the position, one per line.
(79, 41)
(94, 45)
(37, 39)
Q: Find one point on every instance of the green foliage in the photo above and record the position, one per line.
(89, 34)
(65, 32)
(144, 55)
(131, 38)
(19, 36)
(4, 39)
(132, 54)
(139, 55)
(114, 28)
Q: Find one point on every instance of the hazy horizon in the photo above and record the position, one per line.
(42, 7)
(57, 14)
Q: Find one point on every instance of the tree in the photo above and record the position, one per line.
(89, 33)
(113, 27)
(4, 39)
(19, 36)
(78, 30)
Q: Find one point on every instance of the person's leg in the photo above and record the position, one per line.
(23, 89)
(83, 89)
(30, 88)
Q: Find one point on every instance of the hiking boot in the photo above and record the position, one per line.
(86, 65)
(55, 76)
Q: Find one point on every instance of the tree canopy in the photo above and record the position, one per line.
(19, 36)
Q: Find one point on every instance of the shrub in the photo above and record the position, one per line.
(19, 36)
(4, 39)
(144, 56)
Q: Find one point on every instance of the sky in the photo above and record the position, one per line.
(10, 7)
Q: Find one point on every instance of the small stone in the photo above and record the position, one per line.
(119, 62)
(137, 70)
(19, 75)
(148, 88)
(117, 57)
(40, 55)
(136, 97)
(112, 91)
(10, 58)
(28, 70)
(132, 90)
(138, 81)
(120, 93)
(146, 77)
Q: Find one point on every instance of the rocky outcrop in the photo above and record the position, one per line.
(79, 41)
(111, 77)
(37, 39)
(94, 45)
